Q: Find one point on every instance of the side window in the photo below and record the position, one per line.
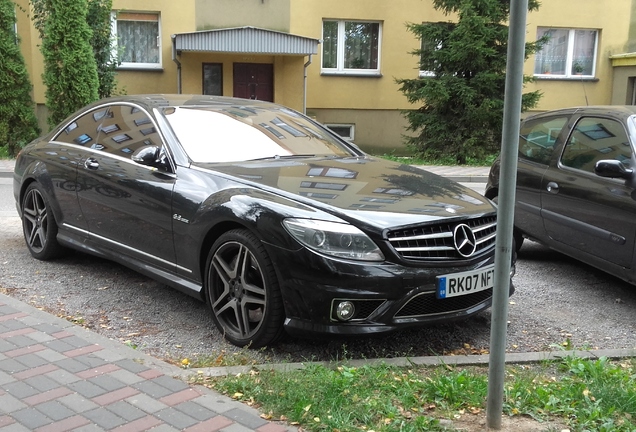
(83, 131)
(594, 139)
(538, 138)
(126, 129)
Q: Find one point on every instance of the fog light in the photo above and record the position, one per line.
(345, 310)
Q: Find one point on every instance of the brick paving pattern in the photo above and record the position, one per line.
(56, 378)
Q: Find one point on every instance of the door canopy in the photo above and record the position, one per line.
(248, 40)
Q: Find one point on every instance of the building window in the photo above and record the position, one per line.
(345, 131)
(351, 47)
(213, 79)
(138, 40)
(332, 172)
(568, 53)
(428, 63)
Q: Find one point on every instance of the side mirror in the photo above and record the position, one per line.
(612, 168)
(147, 155)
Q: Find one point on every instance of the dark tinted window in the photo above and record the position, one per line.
(213, 79)
(83, 131)
(125, 130)
(538, 138)
(594, 139)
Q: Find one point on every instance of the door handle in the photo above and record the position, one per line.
(91, 164)
(553, 188)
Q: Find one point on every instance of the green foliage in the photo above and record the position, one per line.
(380, 398)
(595, 394)
(440, 161)
(585, 394)
(462, 101)
(70, 71)
(18, 124)
(98, 19)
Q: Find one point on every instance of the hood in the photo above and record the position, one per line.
(380, 192)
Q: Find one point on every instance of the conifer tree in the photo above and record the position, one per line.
(102, 41)
(70, 71)
(98, 19)
(462, 87)
(18, 124)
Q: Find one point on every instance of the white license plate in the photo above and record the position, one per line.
(458, 284)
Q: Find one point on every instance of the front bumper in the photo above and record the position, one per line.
(387, 297)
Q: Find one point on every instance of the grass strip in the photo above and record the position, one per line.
(587, 395)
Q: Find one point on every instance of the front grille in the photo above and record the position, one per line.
(435, 242)
(429, 304)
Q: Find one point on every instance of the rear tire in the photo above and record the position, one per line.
(243, 292)
(39, 225)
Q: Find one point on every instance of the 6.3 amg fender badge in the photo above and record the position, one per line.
(180, 218)
(465, 241)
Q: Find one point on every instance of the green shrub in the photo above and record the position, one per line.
(70, 70)
(18, 124)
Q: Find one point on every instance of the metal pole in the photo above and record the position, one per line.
(505, 213)
(176, 60)
(305, 85)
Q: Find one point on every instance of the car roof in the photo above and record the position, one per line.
(150, 101)
(621, 111)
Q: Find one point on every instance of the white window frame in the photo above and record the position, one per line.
(135, 65)
(428, 73)
(352, 130)
(340, 56)
(570, 55)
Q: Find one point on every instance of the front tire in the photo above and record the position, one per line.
(242, 290)
(39, 225)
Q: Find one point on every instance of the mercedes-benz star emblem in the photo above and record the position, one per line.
(465, 241)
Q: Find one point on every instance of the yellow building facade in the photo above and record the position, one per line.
(338, 60)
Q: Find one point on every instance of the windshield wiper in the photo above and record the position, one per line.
(276, 157)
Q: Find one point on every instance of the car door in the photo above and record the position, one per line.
(63, 156)
(592, 215)
(127, 205)
(537, 141)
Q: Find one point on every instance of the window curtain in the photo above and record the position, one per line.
(553, 57)
(361, 45)
(583, 61)
(138, 41)
(330, 44)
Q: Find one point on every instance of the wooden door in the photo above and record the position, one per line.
(254, 81)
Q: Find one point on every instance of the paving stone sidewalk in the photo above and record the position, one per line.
(6, 167)
(56, 376)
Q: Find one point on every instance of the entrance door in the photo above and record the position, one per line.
(254, 81)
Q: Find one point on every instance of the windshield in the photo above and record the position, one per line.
(235, 133)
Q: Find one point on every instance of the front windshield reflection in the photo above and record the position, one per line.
(231, 134)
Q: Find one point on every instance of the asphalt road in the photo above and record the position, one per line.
(558, 303)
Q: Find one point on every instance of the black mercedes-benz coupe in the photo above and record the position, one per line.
(268, 216)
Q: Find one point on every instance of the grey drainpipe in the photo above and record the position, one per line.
(174, 59)
(305, 86)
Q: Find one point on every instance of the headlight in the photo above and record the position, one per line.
(336, 239)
